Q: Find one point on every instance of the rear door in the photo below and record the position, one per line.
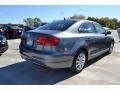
(90, 36)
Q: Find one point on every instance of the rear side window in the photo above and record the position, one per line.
(57, 25)
(86, 28)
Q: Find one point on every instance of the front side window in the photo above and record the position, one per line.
(86, 28)
(99, 28)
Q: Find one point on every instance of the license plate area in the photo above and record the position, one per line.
(29, 42)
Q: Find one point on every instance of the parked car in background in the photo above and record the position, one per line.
(66, 44)
(11, 31)
(1, 31)
(27, 28)
(3, 44)
(106, 28)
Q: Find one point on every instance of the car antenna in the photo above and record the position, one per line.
(63, 15)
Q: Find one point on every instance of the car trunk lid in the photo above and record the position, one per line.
(29, 38)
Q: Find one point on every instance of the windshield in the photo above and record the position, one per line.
(57, 25)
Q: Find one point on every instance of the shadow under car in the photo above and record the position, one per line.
(25, 73)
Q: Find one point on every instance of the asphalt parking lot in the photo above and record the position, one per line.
(102, 70)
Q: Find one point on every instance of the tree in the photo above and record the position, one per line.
(77, 17)
(37, 22)
(32, 22)
(106, 21)
(28, 21)
(93, 19)
(115, 20)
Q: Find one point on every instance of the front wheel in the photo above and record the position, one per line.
(79, 62)
(111, 48)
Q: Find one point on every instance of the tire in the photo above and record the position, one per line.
(79, 63)
(111, 48)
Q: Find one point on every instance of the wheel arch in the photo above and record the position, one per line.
(83, 48)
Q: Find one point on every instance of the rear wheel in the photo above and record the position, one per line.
(79, 62)
(111, 48)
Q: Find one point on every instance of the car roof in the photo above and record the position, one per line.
(77, 20)
(85, 21)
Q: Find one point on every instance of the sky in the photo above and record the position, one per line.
(47, 13)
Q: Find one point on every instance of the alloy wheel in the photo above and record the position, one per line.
(80, 62)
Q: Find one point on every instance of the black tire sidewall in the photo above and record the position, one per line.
(110, 48)
(73, 68)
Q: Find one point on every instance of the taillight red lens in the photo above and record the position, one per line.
(48, 41)
(1, 30)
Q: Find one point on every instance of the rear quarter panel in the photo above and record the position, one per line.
(70, 43)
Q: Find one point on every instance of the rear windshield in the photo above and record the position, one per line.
(6, 28)
(57, 25)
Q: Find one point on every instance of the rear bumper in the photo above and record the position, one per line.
(52, 61)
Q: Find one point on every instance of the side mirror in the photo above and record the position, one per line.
(107, 32)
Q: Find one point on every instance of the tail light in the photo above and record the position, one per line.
(1, 30)
(48, 41)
